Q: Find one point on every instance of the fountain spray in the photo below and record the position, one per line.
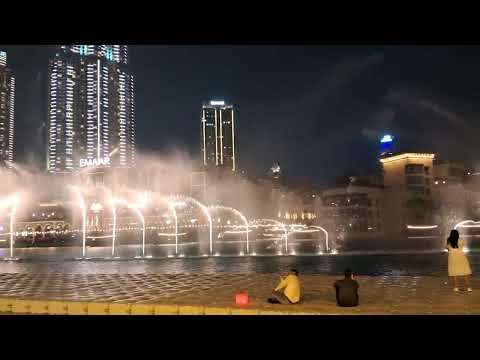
(171, 205)
(240, 215)
(12, 223)
(207, 215)
(81, 202)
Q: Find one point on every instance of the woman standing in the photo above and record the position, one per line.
(458, 264)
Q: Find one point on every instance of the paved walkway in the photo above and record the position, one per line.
(378, 295)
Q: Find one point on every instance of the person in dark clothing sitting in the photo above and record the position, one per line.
(347, 290)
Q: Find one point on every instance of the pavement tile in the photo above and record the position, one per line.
(378, 295)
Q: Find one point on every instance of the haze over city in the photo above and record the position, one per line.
(187, 179)
(319, 111)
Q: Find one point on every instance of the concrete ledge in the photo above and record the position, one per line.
(57, 307)
(98, 308)
(38, 307)
(191, 310)
(52, 307)
(272, 312)
(245, 312)
(119, 309)
(218, 311)
(143, 309)
(6, 305)
(166, 309)
(77, 308)
(21, 306)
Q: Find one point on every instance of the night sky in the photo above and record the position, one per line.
(317, 110)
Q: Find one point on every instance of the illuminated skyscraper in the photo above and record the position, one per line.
(91, 108)
(218, 135)
(7, 102)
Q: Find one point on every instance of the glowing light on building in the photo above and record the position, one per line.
(407, 156)
(386, 139)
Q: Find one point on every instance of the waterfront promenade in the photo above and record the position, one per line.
(214, 294)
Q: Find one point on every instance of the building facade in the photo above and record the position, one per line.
(218, 135)
(354, 208)
(7, 107)
(408, 178)
(91, 109)
(454, 197)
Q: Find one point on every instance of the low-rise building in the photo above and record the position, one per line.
(408, 196)
(353, 208)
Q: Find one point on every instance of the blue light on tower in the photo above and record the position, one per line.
(386, 144)
(109, 54)
(83, 50)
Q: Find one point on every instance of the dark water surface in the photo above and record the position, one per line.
(61, 260)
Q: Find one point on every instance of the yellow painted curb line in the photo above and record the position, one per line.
(55, 307)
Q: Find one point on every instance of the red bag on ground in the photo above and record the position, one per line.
(241, 299)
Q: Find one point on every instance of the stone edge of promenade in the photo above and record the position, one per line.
(55, 307)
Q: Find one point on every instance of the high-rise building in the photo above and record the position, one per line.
(91, 109)
(7, 103)
(218, 135)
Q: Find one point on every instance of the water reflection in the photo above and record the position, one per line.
(61, 260)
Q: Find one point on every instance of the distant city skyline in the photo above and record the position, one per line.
(316, 110)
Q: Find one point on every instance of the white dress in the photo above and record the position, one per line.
(458, 264)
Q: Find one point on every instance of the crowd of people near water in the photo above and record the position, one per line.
(288, 291)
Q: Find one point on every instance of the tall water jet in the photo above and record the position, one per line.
(206, 213)
(114, 225)
(112, 201)
(83, 207)
(305, 229)
(142, 219)
(13, 205)
(280, 224)
(240, 215)
(326, 236)
(171, 205)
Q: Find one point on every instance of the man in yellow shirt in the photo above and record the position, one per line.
(288, 290)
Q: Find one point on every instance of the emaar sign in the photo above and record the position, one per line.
(95, 162)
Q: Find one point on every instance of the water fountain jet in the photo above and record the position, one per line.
(206, 213)
(83, 207)
(239, 214)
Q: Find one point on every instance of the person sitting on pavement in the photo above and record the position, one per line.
(288, 290)
(347, 290)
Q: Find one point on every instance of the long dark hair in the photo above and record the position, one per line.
(453, 239)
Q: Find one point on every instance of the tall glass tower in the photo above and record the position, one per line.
(218, 134)
(91, 110)
(7, 103)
